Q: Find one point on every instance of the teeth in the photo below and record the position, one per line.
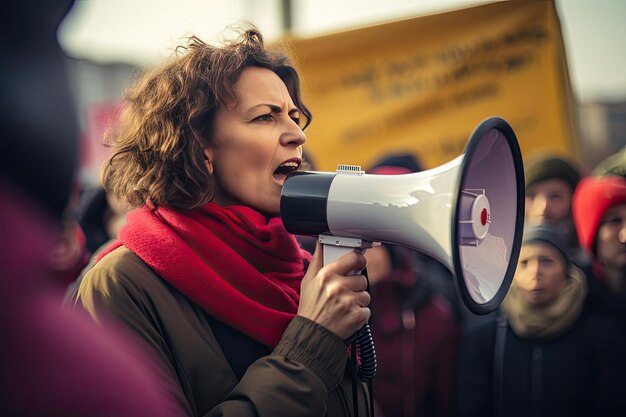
(290, 165)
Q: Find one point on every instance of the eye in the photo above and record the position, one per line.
(556, 197)
(612, 220)
(523, 263)
(546, 261)
(264, 118)
(295, 116)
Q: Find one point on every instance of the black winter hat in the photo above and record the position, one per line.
(406, 161)
(547, 234)
(544, 167)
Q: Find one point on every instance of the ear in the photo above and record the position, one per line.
(208, 159)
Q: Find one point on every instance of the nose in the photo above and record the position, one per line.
(292, 134)
(537, 209)
(533, 269)
(621, 233)
(540, 205)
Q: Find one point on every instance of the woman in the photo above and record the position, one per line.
(545, 355)
(204, 270)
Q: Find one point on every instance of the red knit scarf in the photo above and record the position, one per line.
(238, 266)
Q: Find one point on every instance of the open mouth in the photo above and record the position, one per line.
(287, 167)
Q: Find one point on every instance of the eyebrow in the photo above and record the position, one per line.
(273, 107)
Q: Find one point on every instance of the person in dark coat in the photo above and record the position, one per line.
(546, 354)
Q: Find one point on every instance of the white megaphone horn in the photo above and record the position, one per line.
(468, 213)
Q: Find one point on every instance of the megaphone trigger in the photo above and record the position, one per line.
(337, 246)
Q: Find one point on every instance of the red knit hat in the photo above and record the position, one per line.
(593, 196)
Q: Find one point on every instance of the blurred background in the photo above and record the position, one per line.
(428, 70)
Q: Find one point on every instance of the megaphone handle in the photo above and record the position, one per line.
(334, 247)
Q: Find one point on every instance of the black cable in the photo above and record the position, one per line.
(355, 399)
(370, 388)
(365, 344)
(366, 354)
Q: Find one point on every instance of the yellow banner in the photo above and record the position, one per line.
(422, 85)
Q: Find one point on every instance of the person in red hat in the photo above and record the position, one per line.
(599, 212)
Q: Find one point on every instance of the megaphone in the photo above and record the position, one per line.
(468, 213)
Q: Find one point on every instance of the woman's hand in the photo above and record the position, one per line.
(332, 299)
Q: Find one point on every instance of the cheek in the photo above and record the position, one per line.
(238, 162)
(561, 208)
(523, 280)
(555, 275)
(606, 237)
(555, 287)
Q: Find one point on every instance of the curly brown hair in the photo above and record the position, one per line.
(168, 119)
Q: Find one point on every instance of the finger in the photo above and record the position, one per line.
(367, 313)
(363, 299)
(364, 315)
(356, 283)
(349, 262)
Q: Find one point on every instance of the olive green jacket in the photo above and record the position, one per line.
(303, 376)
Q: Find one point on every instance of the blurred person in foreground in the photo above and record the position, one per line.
(52, 362)
(413, 325)
(599, 209)
(242, 320)
(547, 353)
(550, 183)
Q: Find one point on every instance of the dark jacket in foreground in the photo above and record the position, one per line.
(580, 373)
(302, 376)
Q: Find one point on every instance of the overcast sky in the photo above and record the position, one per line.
(145, 31)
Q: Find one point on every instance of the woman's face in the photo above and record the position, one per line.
(257, 141)
(540, 273)
(548, 201)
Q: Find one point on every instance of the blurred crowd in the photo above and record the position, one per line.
(556, 346)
